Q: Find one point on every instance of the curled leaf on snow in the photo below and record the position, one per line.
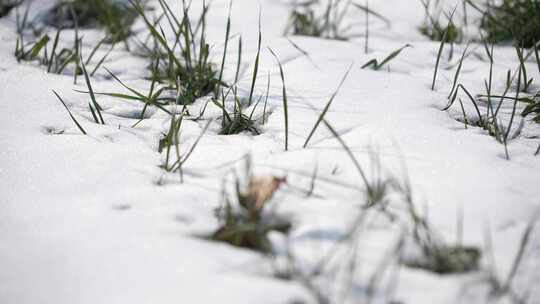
(259, 191)
(246, 225)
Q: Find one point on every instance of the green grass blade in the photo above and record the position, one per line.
(91, 91)
(349, 153)
(256, 67)
(238, 60)
(458, 70)
(369, 11)
(392, 56)
(69, 112)
(513, 110)
(124, 85)
(192, 148)
(100, 62)
(94, 50)
(327, 107)
(285, 107)
(266, 98)
(34, 51)
(227, 33)
(441, 46)
(53, 52)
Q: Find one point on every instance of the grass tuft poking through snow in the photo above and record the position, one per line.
(187, 59)
(432, 27)
(116, 17)
(510, 20)
(59, 59)
(7, 5)
(306, 20)
(244, 220)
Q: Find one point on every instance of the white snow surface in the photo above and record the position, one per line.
(94, 219)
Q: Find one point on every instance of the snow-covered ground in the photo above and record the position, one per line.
(94, 219)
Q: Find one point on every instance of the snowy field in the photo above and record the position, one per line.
(96, 218)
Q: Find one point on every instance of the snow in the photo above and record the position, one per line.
(94, 219)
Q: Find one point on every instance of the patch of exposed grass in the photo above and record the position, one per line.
(243, 218)
(115, 17)
(52, 54)
(305, 20)
(172, 140)
(433, 27)
(183, 68)
(436, 255)
(532, 108)
(490, 120)
(183, 64)
(156, 96)
(510, 20)
(237, 121)
(7, 5)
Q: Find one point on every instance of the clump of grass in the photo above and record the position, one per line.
(369, 12)
(433, 27)
(183, 67)
(156, 96)
(510, 20)
(304, 20)
(437, 32)
(447, 259)
(184, 64)
(243, 219)
(490, 120)
(7, 5)
(115, 17)
(237, 121)
(31, 50)
(532, 108)
(172, 139)
(439, 257)
(436, 255)
(374, 64)
(54, 57)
